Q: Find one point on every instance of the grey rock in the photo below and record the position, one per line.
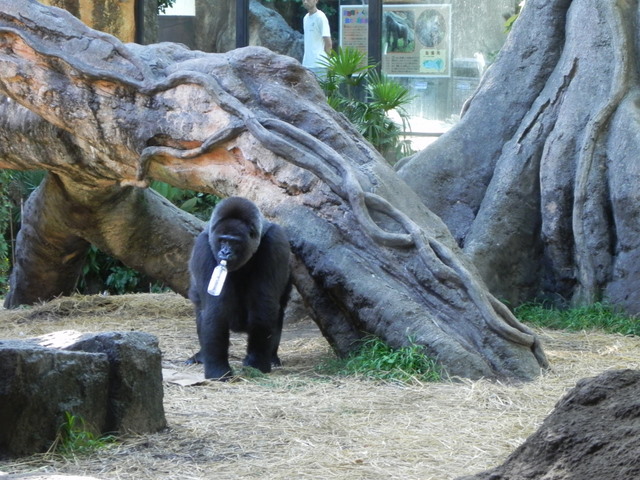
(112, 380)
(38, 385)
(135, 379)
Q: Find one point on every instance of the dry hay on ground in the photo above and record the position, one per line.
(297, 424)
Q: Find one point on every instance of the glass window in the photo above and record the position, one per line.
(439, 49)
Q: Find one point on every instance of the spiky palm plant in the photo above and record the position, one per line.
(367, 99)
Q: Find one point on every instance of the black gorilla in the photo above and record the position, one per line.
(395, 29)
(254, 293)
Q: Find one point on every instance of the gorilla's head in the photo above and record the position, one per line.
(235, 230)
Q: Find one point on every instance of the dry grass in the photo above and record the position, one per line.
(296, 424)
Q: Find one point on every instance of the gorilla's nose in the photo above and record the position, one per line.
(225, 253)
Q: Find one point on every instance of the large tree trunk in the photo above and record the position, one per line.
(540, 179)
(370, 258)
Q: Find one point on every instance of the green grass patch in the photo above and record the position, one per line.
(74, 438)
(599, 316)
(376, 360)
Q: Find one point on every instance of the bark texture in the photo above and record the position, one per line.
(539, 180)
(370, 258)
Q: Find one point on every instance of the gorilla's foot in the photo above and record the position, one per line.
(275, 361)
(252, 360)
(222, 373)
(194, 359)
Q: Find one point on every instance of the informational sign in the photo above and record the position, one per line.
(416, 39)
(354, 27)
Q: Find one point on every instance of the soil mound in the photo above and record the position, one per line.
(594, 432)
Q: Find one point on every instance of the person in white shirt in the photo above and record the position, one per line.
(317, 37)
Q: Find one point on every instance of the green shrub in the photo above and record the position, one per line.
(377, 360)
(367, 98)
(5, 218)
(196, 203)
(600, 316)
(75, 439)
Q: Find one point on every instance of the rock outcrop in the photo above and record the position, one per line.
(113, 381)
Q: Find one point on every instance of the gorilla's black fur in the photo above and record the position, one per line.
(254, 294)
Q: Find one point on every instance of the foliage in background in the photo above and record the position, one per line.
(75, 439)
(196, 203)
(164, 4)
(15, 187)
(101, 272)
(508, 25)
(368, 99)
(378, 361)
(599, 316)
(5, 218)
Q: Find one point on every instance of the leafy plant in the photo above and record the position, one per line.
(508, 25)
(377, 360)
(599, 316)
(103, 272)
(196, 203)
(368, 98)
(346, 69)
(74, 438)
(15, 187)
(5, 219)
(164, 4)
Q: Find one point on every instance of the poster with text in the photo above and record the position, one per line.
(416, 39)
(354, 27)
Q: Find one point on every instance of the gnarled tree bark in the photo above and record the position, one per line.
(539, 180)
(370, 258)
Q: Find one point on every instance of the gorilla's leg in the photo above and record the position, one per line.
(259, 347)
(284, 299)
(275, 343)
(214, 348)
(197, 357)
(277, 333)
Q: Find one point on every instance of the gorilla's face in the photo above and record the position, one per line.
(234, 241)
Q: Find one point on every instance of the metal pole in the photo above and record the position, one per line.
(375, 33)
(242, 23)
(139, 20)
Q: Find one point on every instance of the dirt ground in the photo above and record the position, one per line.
(296, 423)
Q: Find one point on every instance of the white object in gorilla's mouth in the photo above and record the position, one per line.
(217, 279)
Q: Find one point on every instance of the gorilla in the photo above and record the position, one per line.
(396, 27)
(240, 281)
